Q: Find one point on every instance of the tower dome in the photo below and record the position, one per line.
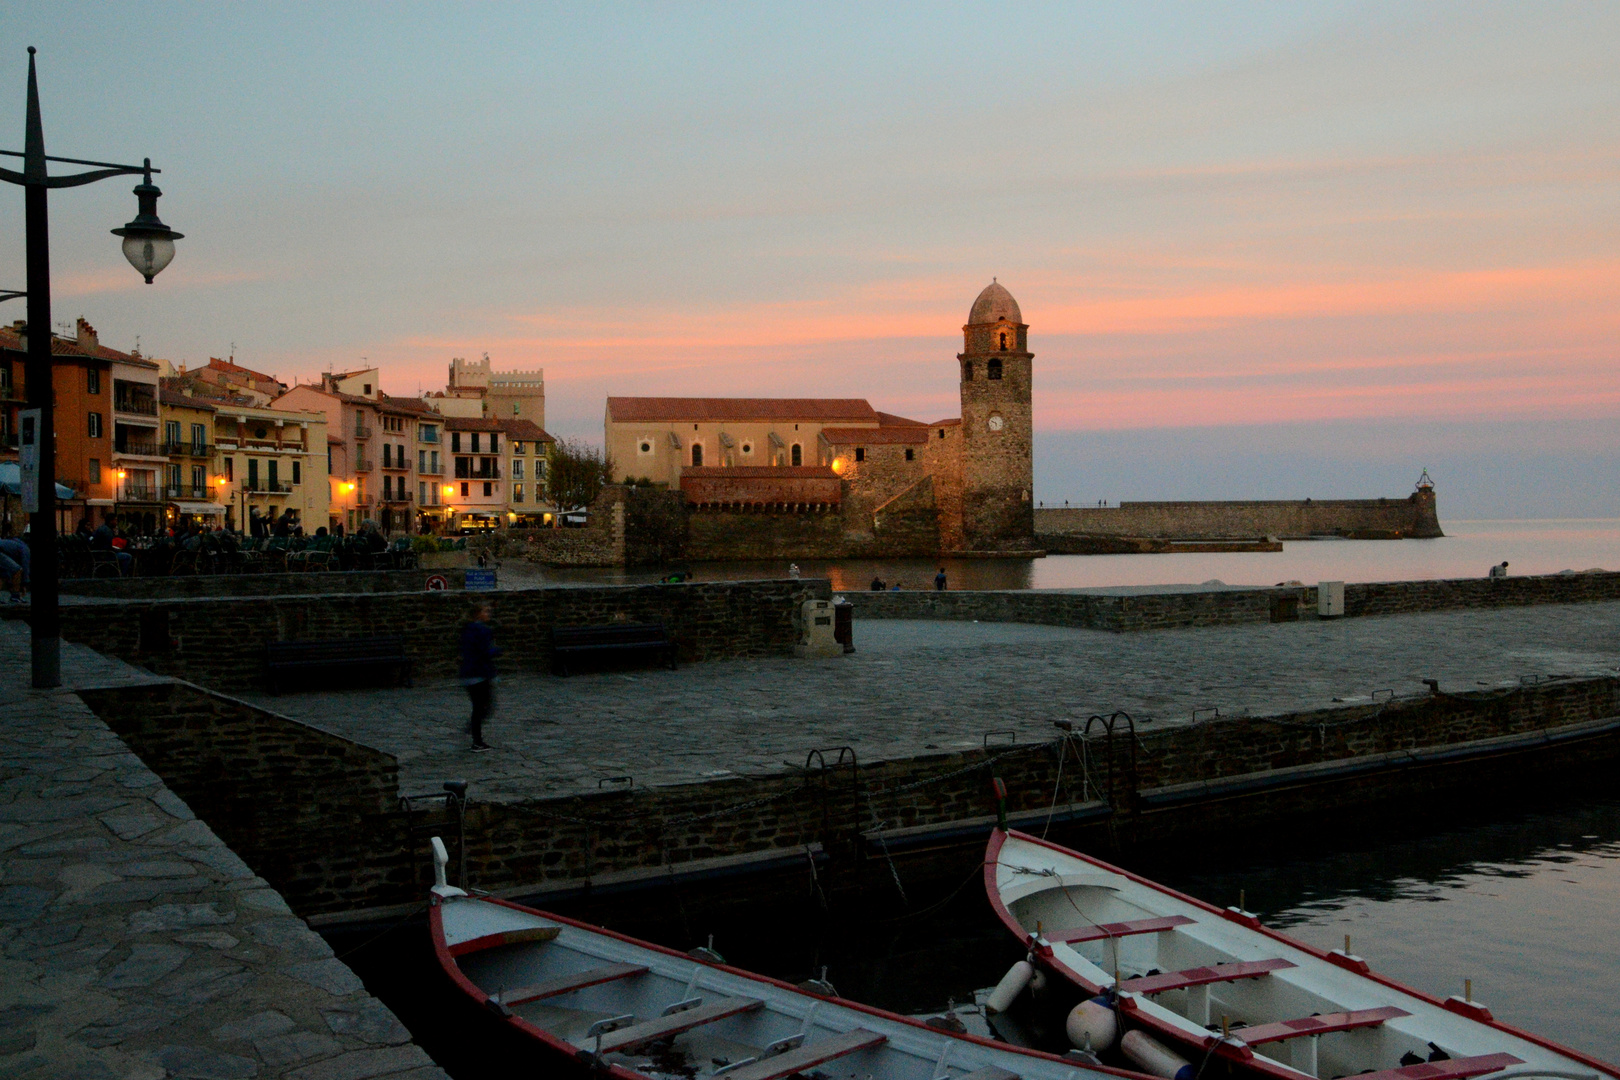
(995, 302)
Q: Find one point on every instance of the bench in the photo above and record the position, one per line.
(571, 644)
(1323, 1024)
(1203, 976)
(353, 658)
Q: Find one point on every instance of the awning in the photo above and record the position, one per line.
(198, 508)
(11, 481)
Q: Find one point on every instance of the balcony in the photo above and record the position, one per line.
(396, 498)
(139, 406)
(187, 449)
(361, 431)
(189, 491)
(137, 447)
(363, 500)
(266, 487)
(431, 470)
(141, 493)
(489, 472)
(362, 465)
(424, 436)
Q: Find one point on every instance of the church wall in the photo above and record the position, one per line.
(762, 534)
(884, 474)
(664, 464)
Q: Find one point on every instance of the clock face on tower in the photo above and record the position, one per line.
(996, 423)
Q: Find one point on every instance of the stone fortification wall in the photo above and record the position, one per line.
(236, 585)
(600, 543)
(1172, 782)
(767, 534)
(1411, 517)
(221, 643)
(1231, 606)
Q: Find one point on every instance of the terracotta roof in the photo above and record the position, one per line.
(171, 397)
(525, 431)
(225, 365)
(888, 419)
(842, 436)
(61, 346)
(955, 421)
(412, 406)
(333, 440)
(472, 423)
(760, 472)
(662, 409)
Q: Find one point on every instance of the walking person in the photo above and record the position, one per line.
(939, 580)
(478, 653)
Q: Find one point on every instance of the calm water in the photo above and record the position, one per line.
(1469, 549)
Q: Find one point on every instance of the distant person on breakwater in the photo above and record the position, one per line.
(939, 580)
(478, 653)
(793, 571)
(878, 585)
(1499, 570)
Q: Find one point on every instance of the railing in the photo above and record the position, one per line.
(396, 497)
(139, 493)
(361, 431)
(431, 470)
(363, 500)
(362, 465)
(187, 449)
(267, 487)
(490, 474)
(139, 447)
(143, 406)
(188, 491)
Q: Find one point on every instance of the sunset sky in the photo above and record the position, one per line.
(1264, 250)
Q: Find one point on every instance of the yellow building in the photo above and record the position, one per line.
(187, 486)
(271, 461)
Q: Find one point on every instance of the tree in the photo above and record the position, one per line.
(575, 474)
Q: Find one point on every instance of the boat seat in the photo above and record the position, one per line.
(663, 1027)
(1318, 1025)
(990, 1072)
(1455, 1069)
(565, 984)
(807, 1056)
(1115, 929)
(1201, 976)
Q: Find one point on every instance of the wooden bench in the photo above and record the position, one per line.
(567, 984)
(670, 1025)
(1203, 976)
(570, 644)
(1322, 1024)
(808, 1055)
(351, 657)
(1075, 935)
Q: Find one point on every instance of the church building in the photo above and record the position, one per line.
(881, 476)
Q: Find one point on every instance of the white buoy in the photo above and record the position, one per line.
(1011, 985)
(1092, 1025)
(1153, 1057)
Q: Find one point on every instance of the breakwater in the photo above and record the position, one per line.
(1413, 517)
(314, 813)
(1147, 608)
(321, 582)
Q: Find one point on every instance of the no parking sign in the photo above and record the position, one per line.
(437, 583)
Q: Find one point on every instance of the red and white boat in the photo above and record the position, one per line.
(633, 1010)
(1172, 973)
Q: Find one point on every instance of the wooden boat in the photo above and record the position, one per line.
(1180, 972)
(634, 1010)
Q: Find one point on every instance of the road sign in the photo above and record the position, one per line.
(437, 583)
(481, 580)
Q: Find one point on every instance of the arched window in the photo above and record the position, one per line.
(992, 369)
(798, 454)
(967, 371)
(1003, 342)
(697, 453)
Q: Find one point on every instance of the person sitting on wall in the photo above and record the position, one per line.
(793, 571)
(895, 587)
(1499, 570)
(878, 585)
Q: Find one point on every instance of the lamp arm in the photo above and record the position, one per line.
(10, 294)
(91, 177)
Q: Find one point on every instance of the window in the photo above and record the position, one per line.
(992, 370)
(92, 381)
(328, 459)
(494, 443)
(199, 437)
(517, 448)
(95, 470)
(645, 447)
(435, 461)
(489, 489)
(860, 454)
(540, 469)
(942, 433)
(911, 455)
(230, 468)
(428, 433)
(95, 425)
(422, 493)
(463, 491)
(967, 371)
(272, 468)
(697, 453)
(171, 432)
(199, 480)
(298, 472)
(1003, 347)
(748, 448)
(517, 469)
(517, 493)
(475, 442)
(455, 441)
(798, 454)
(173, 479)
(388, 456)
(365, 389)
(253, 473)
(388, 489)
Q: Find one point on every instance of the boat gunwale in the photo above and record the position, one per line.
(992, 860)
(447, 960)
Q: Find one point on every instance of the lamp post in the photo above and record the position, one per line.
(148, 245)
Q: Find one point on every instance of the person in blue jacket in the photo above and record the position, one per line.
(478, 653)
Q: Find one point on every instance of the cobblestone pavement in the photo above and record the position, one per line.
(918, 685)
(134, 945)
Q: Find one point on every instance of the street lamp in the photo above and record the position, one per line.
(149, 245)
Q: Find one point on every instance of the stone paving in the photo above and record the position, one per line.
(134, 945)
(915, 686)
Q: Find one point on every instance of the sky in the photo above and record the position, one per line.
(1263, 250)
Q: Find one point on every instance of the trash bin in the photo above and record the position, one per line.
(844, 624)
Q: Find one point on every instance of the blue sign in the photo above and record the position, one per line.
(480, 579)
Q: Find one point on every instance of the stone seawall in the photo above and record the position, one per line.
(236, 585)
(220, 643)
(1413, 517)
(1123, 611)
(723, 534)
(1244, 773)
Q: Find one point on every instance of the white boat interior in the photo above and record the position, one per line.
(662, 1014)
(1188, 972)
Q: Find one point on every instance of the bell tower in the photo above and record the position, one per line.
(998, 478)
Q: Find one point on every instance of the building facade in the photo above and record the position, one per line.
(270, 461)
(190, 491)
(973, 472)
